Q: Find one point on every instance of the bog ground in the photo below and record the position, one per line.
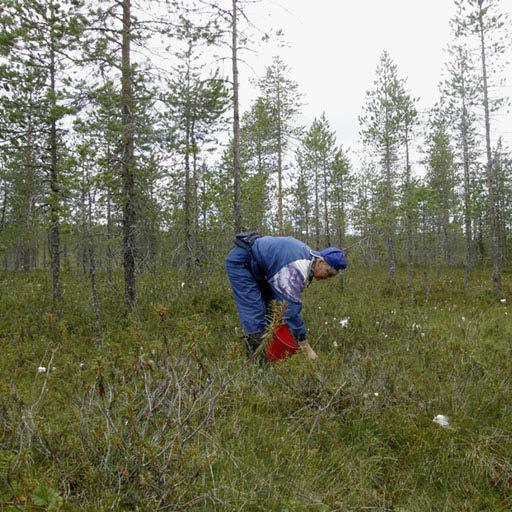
(165, 413)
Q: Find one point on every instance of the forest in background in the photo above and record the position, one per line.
(123, 147)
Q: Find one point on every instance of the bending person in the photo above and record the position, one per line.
(263, 268)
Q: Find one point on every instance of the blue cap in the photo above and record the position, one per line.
(333, 256)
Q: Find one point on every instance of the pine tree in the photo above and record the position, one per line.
(97, 128)
(237, 199)
(408, 122)
(258, 163)
(195, 104)
(282, 96)
(316, 154)
(380, 124)
(115, 27)
(22, 174)
(441, 181)
(502, 162)
(301, 214)
(341, 180)
(365, 211)
(483, 20)
(42, 41)
(461, 92)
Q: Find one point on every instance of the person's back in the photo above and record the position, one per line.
(285, 263)
(275, 252)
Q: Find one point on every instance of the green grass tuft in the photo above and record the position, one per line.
(165, 413)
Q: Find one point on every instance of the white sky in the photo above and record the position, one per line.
(334, 49)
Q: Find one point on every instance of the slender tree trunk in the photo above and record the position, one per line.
(495, 252)
(389, 214)
(470, 257)
(326, 209)
(261, 174)
(280, 228)
(45, 252)
(341, 217)
(110, 254)
(408, 213)
(446, 241)
(237, 181)
(203, 201)
(186, 200)
(389, 199)
(3, 212)
(195, 198)
(317, 212)
(343, 223)
(480, 237)
(501, 208)
(306, 218)
(153, 229)
(467, 179)
(92, 266)
(447, 246)
(368, 228)
(368, 260)
(94, 290)
(128, 162)
(27, 238)
(55, 186)
(424, 259)
(82, 236)
(65, 255)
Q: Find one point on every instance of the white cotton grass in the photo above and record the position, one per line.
(503, 301)
(44, 369)
(344, 321)
(442, 420)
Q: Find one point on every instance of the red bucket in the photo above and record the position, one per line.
(283, 345)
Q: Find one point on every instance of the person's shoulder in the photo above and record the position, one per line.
(271, 240)
(263, 241)
(280, 243)
(294, 241)
(288, 239)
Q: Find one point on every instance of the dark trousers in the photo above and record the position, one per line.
(252, 294)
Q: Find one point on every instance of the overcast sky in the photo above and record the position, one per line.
(334, 49)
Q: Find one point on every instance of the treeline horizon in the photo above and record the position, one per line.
(122, 169)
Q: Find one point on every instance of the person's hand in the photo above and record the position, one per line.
(308, 351)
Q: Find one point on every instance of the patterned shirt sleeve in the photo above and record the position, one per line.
(291, 280)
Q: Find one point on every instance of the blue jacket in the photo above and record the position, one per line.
(285, 263)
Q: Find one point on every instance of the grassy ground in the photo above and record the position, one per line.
(164, 413)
